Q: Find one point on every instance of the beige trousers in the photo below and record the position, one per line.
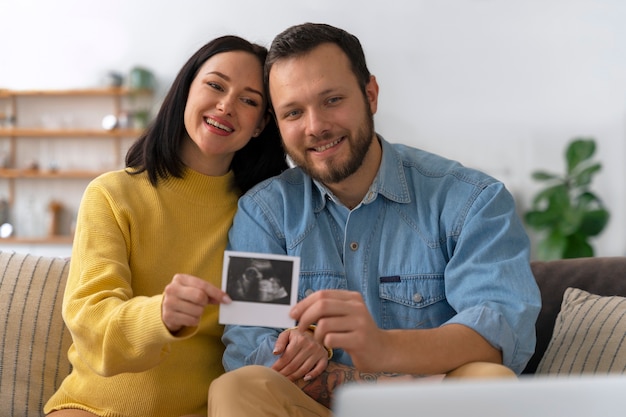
(261, 392)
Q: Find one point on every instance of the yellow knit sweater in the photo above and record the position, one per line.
(131, 238)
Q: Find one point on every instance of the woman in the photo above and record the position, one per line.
(147, 258)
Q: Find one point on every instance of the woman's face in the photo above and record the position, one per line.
(225, 108)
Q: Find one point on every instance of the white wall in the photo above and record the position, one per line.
(498, 85)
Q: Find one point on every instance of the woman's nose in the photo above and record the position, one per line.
(225, 104)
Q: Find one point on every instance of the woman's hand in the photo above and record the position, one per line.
(301, 356)
(184, 300)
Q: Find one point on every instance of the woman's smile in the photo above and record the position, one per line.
(220, 127)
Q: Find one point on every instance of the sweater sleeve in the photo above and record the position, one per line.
(113, 330)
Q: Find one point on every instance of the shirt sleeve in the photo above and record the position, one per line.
(253, 230)
(246, 345)
(112, 330)
(489, 281)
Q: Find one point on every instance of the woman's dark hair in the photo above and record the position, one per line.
(300, 39)
(157, 150)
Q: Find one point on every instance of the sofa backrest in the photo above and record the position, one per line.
(35, 341)
(605, 276)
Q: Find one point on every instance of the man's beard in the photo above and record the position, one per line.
(359, 146)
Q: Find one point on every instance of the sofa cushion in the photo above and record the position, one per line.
(599, 275)
(35, 341)
(589, 336)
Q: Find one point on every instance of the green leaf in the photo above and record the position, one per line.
(566, 210)
(554, 197)
(540, 219)
(588, 199)
(544, 176)
(570, 220)
(579, 150)
(559, 199)
(585, 176)
(551, 247)
(593, 222)
(577, 247)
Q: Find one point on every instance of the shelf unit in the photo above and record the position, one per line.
(52, 144)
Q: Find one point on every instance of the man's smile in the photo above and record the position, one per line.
(328, 145)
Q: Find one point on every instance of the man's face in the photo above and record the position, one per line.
(325, 121)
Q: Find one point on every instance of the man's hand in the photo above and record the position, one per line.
(343, 321)
(301, 355)
(184, 300)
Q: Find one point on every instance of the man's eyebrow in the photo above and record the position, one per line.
(293, 103)
(285, 105)
(227, 78)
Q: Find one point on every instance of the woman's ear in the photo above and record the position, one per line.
(261, 125)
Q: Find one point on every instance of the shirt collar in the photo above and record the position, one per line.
(390, 181)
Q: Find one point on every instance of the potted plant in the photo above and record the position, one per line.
(566, 211)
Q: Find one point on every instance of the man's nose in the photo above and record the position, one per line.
(317, 123)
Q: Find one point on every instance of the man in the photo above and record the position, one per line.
(411, 264)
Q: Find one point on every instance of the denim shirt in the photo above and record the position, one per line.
(432, 243)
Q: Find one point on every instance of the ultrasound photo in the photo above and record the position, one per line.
(260, 280)
(263, 288)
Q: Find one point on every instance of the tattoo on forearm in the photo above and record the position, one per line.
(323, 387)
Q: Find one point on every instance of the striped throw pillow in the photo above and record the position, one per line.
(34, 344)
(589, 336)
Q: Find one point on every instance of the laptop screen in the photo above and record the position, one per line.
(587, 396)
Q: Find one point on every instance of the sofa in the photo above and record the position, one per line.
(584, 335)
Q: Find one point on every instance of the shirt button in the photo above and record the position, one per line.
(308, 292)
(354, 246)
(417, 297)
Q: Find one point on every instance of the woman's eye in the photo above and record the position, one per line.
(250, 102)
(215, 86)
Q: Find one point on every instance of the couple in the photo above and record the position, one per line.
(410, 264)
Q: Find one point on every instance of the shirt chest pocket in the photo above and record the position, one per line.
(415, 301)
(311, 282)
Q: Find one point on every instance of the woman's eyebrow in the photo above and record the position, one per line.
(227, 78)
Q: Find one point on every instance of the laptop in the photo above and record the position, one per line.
(582, 396)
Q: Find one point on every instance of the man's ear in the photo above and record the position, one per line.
(371, 92)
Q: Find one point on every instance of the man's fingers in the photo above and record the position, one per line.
(324, 298)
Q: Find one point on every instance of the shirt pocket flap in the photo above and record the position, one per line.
(309, 283)
(412, 291)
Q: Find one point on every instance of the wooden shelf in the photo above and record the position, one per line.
(106, 91)
(67, 133)
(39, 173)
(22, 139)
(48, 240)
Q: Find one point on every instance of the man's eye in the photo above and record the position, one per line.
(333, 100)
(291, 114)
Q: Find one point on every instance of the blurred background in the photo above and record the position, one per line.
(502, 86)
